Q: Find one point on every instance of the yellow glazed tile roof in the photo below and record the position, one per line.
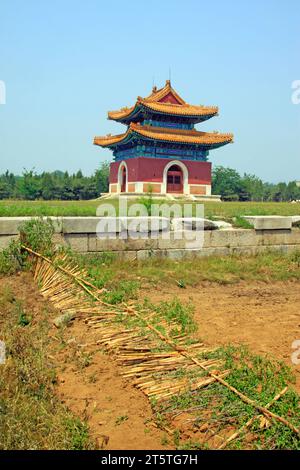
(153, 102)
(157, 95)
(169, 135)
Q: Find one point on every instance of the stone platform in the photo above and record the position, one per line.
(141, 238)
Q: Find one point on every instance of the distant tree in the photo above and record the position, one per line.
(48, 187)
(79, 175)
(101, 177)
(254, 187)
(226, 182)
(29, 186)
(64, 186)
(6, 191)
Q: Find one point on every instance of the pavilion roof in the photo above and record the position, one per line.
(166, 101)
(207, 139)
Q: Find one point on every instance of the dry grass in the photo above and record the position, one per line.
(31, 416)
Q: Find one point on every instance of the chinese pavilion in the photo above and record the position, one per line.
(161, 148)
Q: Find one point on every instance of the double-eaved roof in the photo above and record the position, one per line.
(164, 102)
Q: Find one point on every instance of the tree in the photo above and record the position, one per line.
(254, 187)
(29, 185)
(101, 177)
(6, 191)
(48, 187)
(226, 182)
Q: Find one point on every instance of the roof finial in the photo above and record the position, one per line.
(154, 87)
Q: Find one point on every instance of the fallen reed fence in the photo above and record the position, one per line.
(149, 350)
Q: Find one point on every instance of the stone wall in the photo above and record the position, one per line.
(168, 240)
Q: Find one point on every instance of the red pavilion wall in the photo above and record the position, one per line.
(151, 170)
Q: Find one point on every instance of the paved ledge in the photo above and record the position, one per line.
(270, 222)
(10, 225)
(176, 241)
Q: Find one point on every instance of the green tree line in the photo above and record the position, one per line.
(57, 185)
(233, 187)
(64, 186)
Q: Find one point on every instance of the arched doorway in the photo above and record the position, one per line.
(174, 179)
(123, 179)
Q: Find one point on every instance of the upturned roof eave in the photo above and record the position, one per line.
(185, 139)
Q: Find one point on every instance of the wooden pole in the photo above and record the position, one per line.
(251, 421)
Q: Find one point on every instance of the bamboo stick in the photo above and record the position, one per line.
(82, 282)
(251, 421)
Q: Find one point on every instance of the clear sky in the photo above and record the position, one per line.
(65, 63)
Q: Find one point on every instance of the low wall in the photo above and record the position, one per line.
(168, 240)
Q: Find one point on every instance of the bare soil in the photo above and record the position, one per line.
(265, 317)
(119, 416)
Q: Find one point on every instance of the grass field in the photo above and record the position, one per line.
(125, 278)
(212, 210)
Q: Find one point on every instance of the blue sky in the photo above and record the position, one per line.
(66, 63)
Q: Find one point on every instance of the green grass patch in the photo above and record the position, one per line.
(212, 210)
(216, 407)
(125, 278)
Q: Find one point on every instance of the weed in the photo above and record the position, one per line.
(121, 419)
(37, 234)
(181, 284)
(176, 438)
(147, 200)
(122, 291)
(175, 311)
(23, 319)
(84, 359)
(79, 433)
(12, 259)
(93, 378)
(240, 222)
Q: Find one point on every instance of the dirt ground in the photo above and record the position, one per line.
(119, 416)
(265, 317)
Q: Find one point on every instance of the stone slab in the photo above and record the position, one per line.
(193, 223)
(270, 222)
(10, 225)
(115, 224)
